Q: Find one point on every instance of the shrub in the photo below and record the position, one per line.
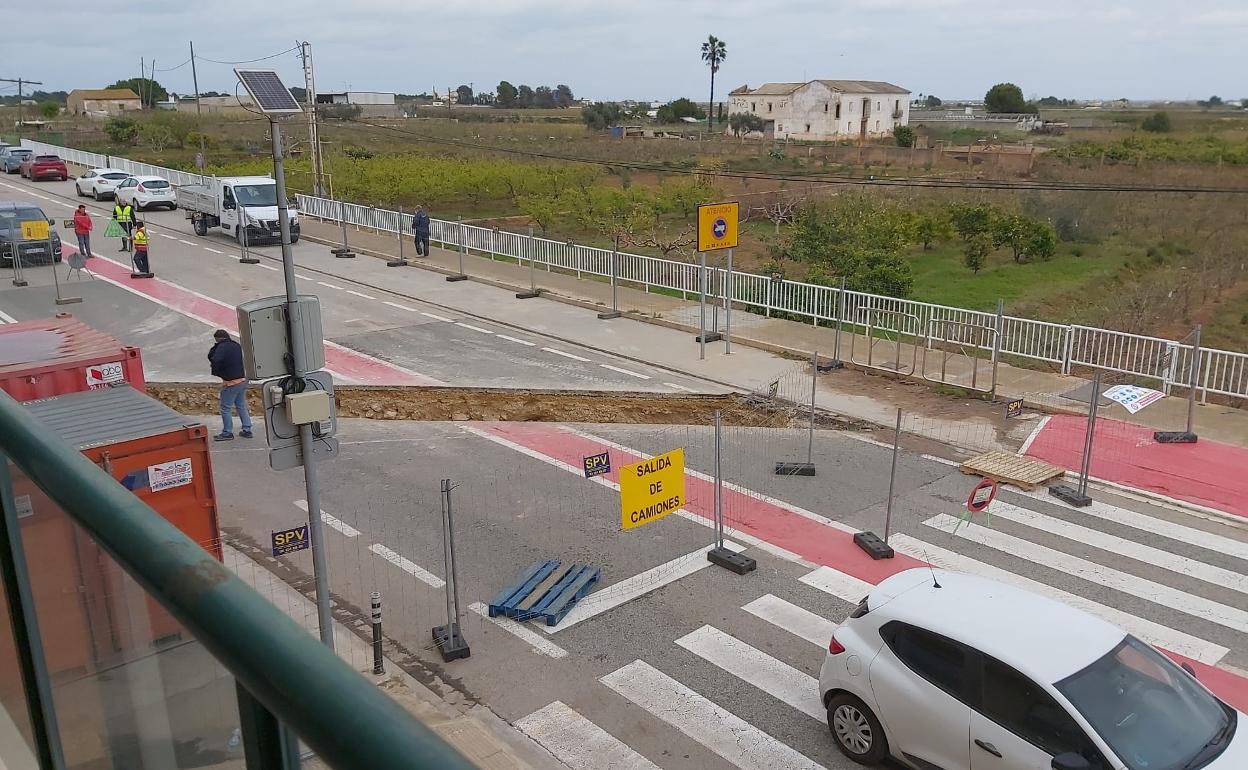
(903, 135)
(1157, 123)
(122, 130)
(975, 253)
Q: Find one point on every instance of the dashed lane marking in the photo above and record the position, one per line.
(517, 340)
(565, 354)
(473, 328)
(400, 307)
(629, 372)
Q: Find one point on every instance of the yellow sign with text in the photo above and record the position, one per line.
(717, 226)
(35, 230)
(651, 489)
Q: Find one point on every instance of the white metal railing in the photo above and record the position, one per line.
(1221, 372)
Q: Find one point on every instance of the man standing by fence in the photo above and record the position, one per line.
(420, 228)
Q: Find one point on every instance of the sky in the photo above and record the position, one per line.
(649, 49)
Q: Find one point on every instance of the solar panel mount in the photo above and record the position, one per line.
(268, 92)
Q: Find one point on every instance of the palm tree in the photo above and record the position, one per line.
(714, 51)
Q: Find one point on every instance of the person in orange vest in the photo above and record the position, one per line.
(141, 265)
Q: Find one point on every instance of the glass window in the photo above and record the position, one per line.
(89, 175)
(114, 176)
(1025, 709)
(256, 194)
(155, 184)
(1149, 711)
(935, 658)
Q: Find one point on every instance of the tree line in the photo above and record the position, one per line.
(523, 97)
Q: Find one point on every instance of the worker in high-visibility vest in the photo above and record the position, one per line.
(124, 214)
(141, 266)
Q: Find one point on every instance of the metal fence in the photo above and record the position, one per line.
(1068, 346)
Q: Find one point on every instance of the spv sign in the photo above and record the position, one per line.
(290, 540)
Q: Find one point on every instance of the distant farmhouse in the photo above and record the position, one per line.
(102, 102)
(825, 110)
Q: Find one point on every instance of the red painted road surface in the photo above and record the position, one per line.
(810, 539)
(1207, 472)
(343, 361)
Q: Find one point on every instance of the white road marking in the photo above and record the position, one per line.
(637, 586)
(942, 460)
(755, 667)
(678, 386)
(328, 285)
(269, 267)
(1146, 523)
(435, 316)
(845, 587)
(798, 621)
(579, 743)
(6, 318)
(166, 235)
(625, 371)
(517, 340)
(559, 352)
(716, 728)
(188, 243)
(400, 307)
(539, 643)
(304, 277)
(1034, 432)
(1196, 606)
(1153, 633)
(473, 328)
(408, 566)
(360, 294)
(336, 523)
(1167, 560)
(214, 251)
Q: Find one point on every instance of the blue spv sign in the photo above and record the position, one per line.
(290, 540)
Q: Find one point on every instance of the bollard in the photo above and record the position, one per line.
(378, 667)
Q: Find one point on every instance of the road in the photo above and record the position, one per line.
(407, 319)
(676, 663)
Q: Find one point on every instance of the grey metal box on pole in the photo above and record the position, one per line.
(264, 333)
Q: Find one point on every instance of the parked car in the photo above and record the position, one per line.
(36, 167)
(13, 157)
(12, 214)
(145, 192)
(943, 670)
(99, 183)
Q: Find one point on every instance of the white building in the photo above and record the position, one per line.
(825, 110)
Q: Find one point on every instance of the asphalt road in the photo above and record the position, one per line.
(378, 313)
(701, 668)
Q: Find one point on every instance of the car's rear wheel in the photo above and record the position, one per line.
(96, 194)
(78, 190)
(201, 226)
(857, 732)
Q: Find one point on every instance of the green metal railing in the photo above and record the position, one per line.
(292, 678)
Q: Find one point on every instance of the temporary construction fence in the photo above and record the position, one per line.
(1070, 348)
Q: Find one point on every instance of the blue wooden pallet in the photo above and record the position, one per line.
(545, 591)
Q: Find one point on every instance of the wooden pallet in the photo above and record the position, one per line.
(1006, 468)
(545, 591)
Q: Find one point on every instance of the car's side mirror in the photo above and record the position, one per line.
(227, 205)
(1071, 761)
(1188, 668)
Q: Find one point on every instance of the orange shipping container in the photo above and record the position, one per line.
(54, 356)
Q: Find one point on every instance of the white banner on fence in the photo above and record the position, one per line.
(1132, 397)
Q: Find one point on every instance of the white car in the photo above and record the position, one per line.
(99, 183)
(145, 192)
(945, 671)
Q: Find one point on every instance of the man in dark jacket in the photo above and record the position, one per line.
(420, 226)
(226, 357)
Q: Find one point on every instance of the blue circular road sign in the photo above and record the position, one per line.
(720, 229)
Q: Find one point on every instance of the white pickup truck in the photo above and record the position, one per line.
(241, 206)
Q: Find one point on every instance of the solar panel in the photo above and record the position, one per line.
(268, 92)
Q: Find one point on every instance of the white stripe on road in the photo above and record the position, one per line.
(1153, 633)
(269, 267)
(757, 668)
(360, 294)
(716, 728)
(539, 643)
(6, 318)
(837, 583)
(1135, 520)
(473, 328)
(336, 523)
(435, 316)
(214, 251)
(579, 743)
(328, 285)
(637, 586)
(679, 387)
(625, 371)
(798, 621)
(1167, 560)
(188, 243)
(559, 352)
(400, 307)
(165, 235)
(304, 277)
(408, 566)
(517, 340)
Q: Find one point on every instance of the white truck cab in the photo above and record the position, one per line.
(244, 207)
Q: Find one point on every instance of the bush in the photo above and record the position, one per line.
(975, 253)
(856, 237)
(745, 122)
(340, 111)
(122, 130)
(904, 136)
(1157, 123)
(602, 116)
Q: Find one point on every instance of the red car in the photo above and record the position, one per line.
(37, 167)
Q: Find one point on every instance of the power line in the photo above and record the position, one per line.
(251, 61)
(825, 179)
(171, 69)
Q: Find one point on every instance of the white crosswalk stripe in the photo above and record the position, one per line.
(756, 667)
(711, 725)
(798, 621)
(579, 743)
(845, 587)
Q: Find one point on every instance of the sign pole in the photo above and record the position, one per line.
(615, 277)
(837, 363)
(1193, 380)
(402, 260)
(996, 347)
(702, 306)
(449, 638)
(892, 479)
(728, 309)
(810, 432)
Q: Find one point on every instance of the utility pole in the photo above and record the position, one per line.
(314, 134)
(199, 116)
(21, 110)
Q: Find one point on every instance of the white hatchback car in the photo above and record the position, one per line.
(99, 183)
(945, 671)
(145, 192)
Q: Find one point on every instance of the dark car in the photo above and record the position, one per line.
(12, 214)
(12, 158)
(37, 167)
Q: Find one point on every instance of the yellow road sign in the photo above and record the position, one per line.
(651, 489)
(717, 226)
(35, 230)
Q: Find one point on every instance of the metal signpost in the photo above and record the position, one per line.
(402, 260)
(728, 308)
(615, 277)
(450, 638)
(718, 225)
(459, 229)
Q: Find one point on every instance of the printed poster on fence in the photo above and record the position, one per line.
(1132, 397)
(177, 473)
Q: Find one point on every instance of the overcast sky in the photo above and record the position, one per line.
(648, 49)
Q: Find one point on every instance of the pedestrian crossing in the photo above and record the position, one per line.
(770, 716)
